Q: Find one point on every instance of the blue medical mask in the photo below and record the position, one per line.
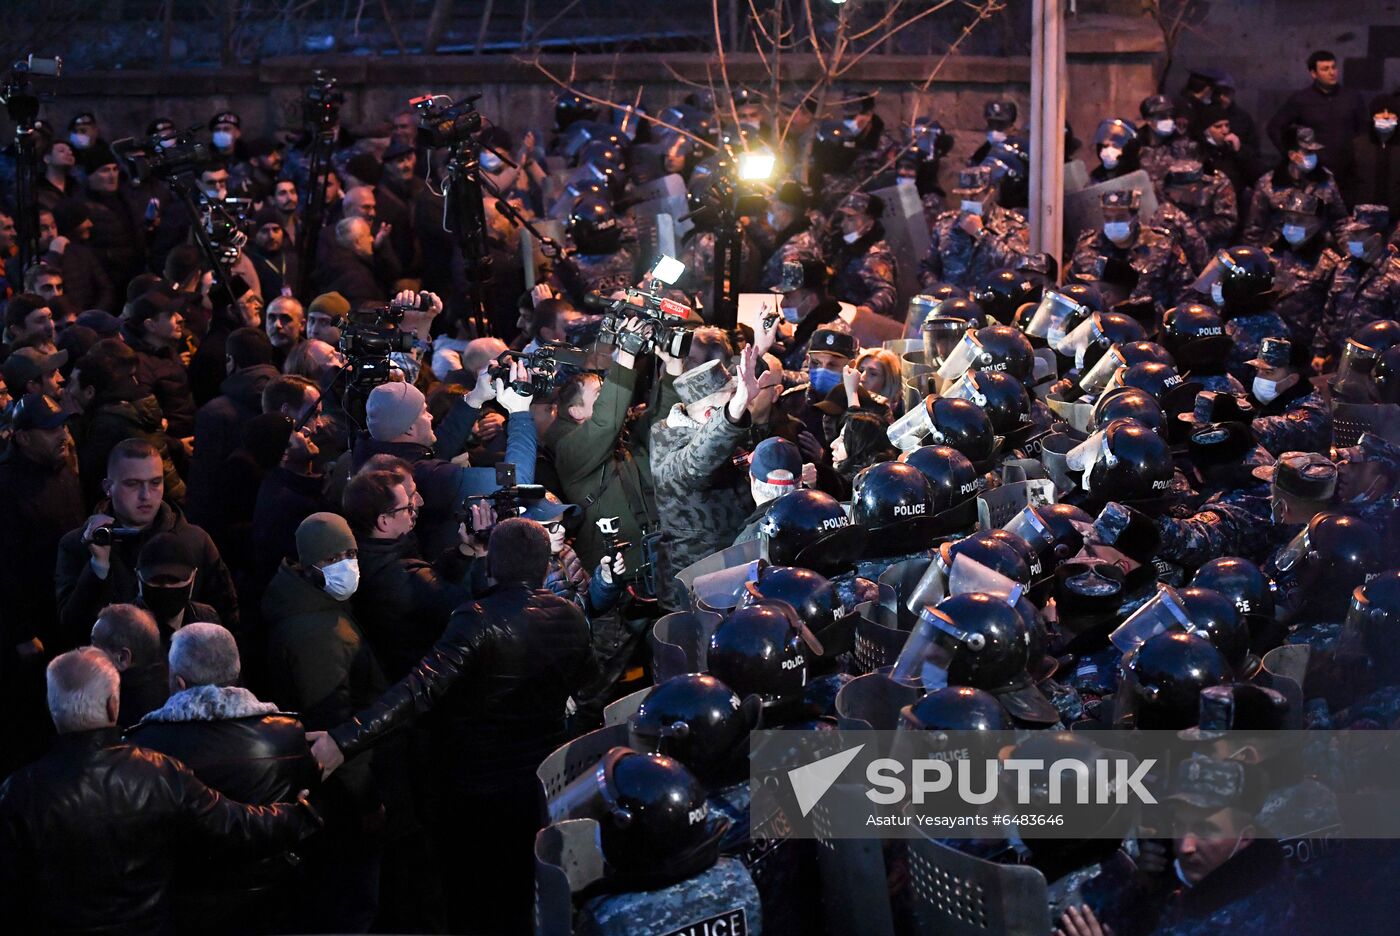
(823, 381)
(996, 136)
(791, 314)
(1357, 248)
(1310, 161)
(1295, 234)
(222, 139)
(1165, 127)
(1118, 231)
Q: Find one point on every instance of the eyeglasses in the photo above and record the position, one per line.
(553, 526)
(411, 508)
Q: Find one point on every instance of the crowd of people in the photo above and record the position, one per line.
(286, 642)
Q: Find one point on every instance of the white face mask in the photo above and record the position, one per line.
(972, 207)
(1385, 125)
(80, 140)
(1118, 231)
(342, 578)
(772, 221)
(1217, 293)
(1110, 156)
(1165, 127)
(852, 125)
(1310, 162)
(1356, 248)
(1265, 391)
(851, 237)
(905, 180)
(1295, 234)
(222, 139)
(996, 136)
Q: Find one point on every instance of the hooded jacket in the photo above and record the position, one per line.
(161, 372)
(133, 413)
(218, 428)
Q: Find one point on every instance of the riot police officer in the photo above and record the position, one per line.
(862, 259)
(1366, 287)
(1163, 141)
(1207, 202)
(1240, 282)
(604, 264)
(1116, 144)
(1299, 170)
(1292, 416)
(1000, 117)
(788, 232)
(1304, 267)
(975, 238)
(1142, 260)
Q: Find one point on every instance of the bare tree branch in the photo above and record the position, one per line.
(893, 32)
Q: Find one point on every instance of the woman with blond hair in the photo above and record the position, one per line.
(880, 376)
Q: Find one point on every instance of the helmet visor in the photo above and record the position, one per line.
(965, 388)
(927, 644)
(1355, 370)
(960, 360)
(969, 575)
(1048, 320)
(1103, 371)
(1028, 525)
(1163, 613)
(1291, 556)
(1215, 272)
(589, 795)
(909, 431)
(1074, 344)
(722, 590)
(941, 336)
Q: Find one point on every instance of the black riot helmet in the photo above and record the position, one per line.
(1195, 335)
(1245, 276)
(569, 108)
(1329, 557)
(1030, 556)
(811, 595)
(947, 320)
(1129, 403)
(1002, 396)
(1253, 594)
(1092, 338)
(894, 503)
(1133, 465)
(985, 639)
(1060, 311)
(1214, 615)
(955, 708)
(1386, 376)
(1002, 292)
(951, 476)
(1354, 381)
(1049, 532)
(654, 827)
(764, 650)
(700, 722)
(593, 227)
(1100, 377)
(1373, 623)
(993, 348)
(609, 159)
(987, 549)
(834, 148)
(1163, 679)
(963, 426)
(809, 529)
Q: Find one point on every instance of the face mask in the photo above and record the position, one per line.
(490, 161)
(772, 221)
(166, 601)
(851, 237)
(167, 143)
(80, 140)
(972, 207)
(851, 125)
(1118, 231)
(791, 314)
(1165, 127)
(823, 381)
(1265, 391)
(1110, 156)
(1295, 234)
(222, 139)
(996, 136)
(1217, 293)
(342, 578)
(1310, 162)
(1356, 248)
(905, 180)
(933, 677)
(1180, 875)
(1385, 125)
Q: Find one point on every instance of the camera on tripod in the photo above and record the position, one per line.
(444, 122)
(163, 158)
(549, 366)
(320, 109)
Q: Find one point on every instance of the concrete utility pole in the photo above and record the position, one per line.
(1048, 85)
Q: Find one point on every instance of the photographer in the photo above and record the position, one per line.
(97, 569)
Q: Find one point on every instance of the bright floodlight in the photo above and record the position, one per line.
(668, 270)
(755, 165)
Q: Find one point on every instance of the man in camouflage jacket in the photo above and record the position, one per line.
(979, 236)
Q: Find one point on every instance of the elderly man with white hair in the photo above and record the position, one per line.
(90, 834)
(243, 748)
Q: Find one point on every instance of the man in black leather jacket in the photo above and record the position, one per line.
(90, 834)
(246, 750)
(499, 681)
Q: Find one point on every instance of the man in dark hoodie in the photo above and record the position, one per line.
(219, 423)
(154, 327)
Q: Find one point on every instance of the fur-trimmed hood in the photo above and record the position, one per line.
(210, 703)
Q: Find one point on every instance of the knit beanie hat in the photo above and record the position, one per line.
(392, 408)
(321, 536)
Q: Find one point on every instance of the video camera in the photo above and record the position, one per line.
(367, 339)
(158, 157)
(446, 123)
(549, 366)
(320, 109)
(21, 103)
(506, 500)
(665, 325)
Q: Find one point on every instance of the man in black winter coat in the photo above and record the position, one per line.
(243, 748)
(130, 638)
(154, 327)
(1334, 113)
(500, 682)
(84, 279)
(97, 569)
(1375, 173)
(91, 834)
(347, 265)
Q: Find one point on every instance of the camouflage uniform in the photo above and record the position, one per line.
(1214, 210)
(701, 497)
(1157, 155)
(722, 891)
(935, 203)
(959, 260)
(1163, 272)
(1303, 281)
(1220, 528)
(1264, 224)
(868, 164)
(607, 273)
(1361, 294)
(1172, 219)
(1298, 420)
(1248, 332)
(801, 246)
(865, 274)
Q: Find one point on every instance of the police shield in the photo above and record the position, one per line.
(736, 555)
(1351, 420)
(872, 702)
(906, 232)
(878, 637)
(1083, 211)
(995, 508)
(532, 255)
(662, 218)
(680, 643)
(570, 761)
(617, 712)
(567, 860)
